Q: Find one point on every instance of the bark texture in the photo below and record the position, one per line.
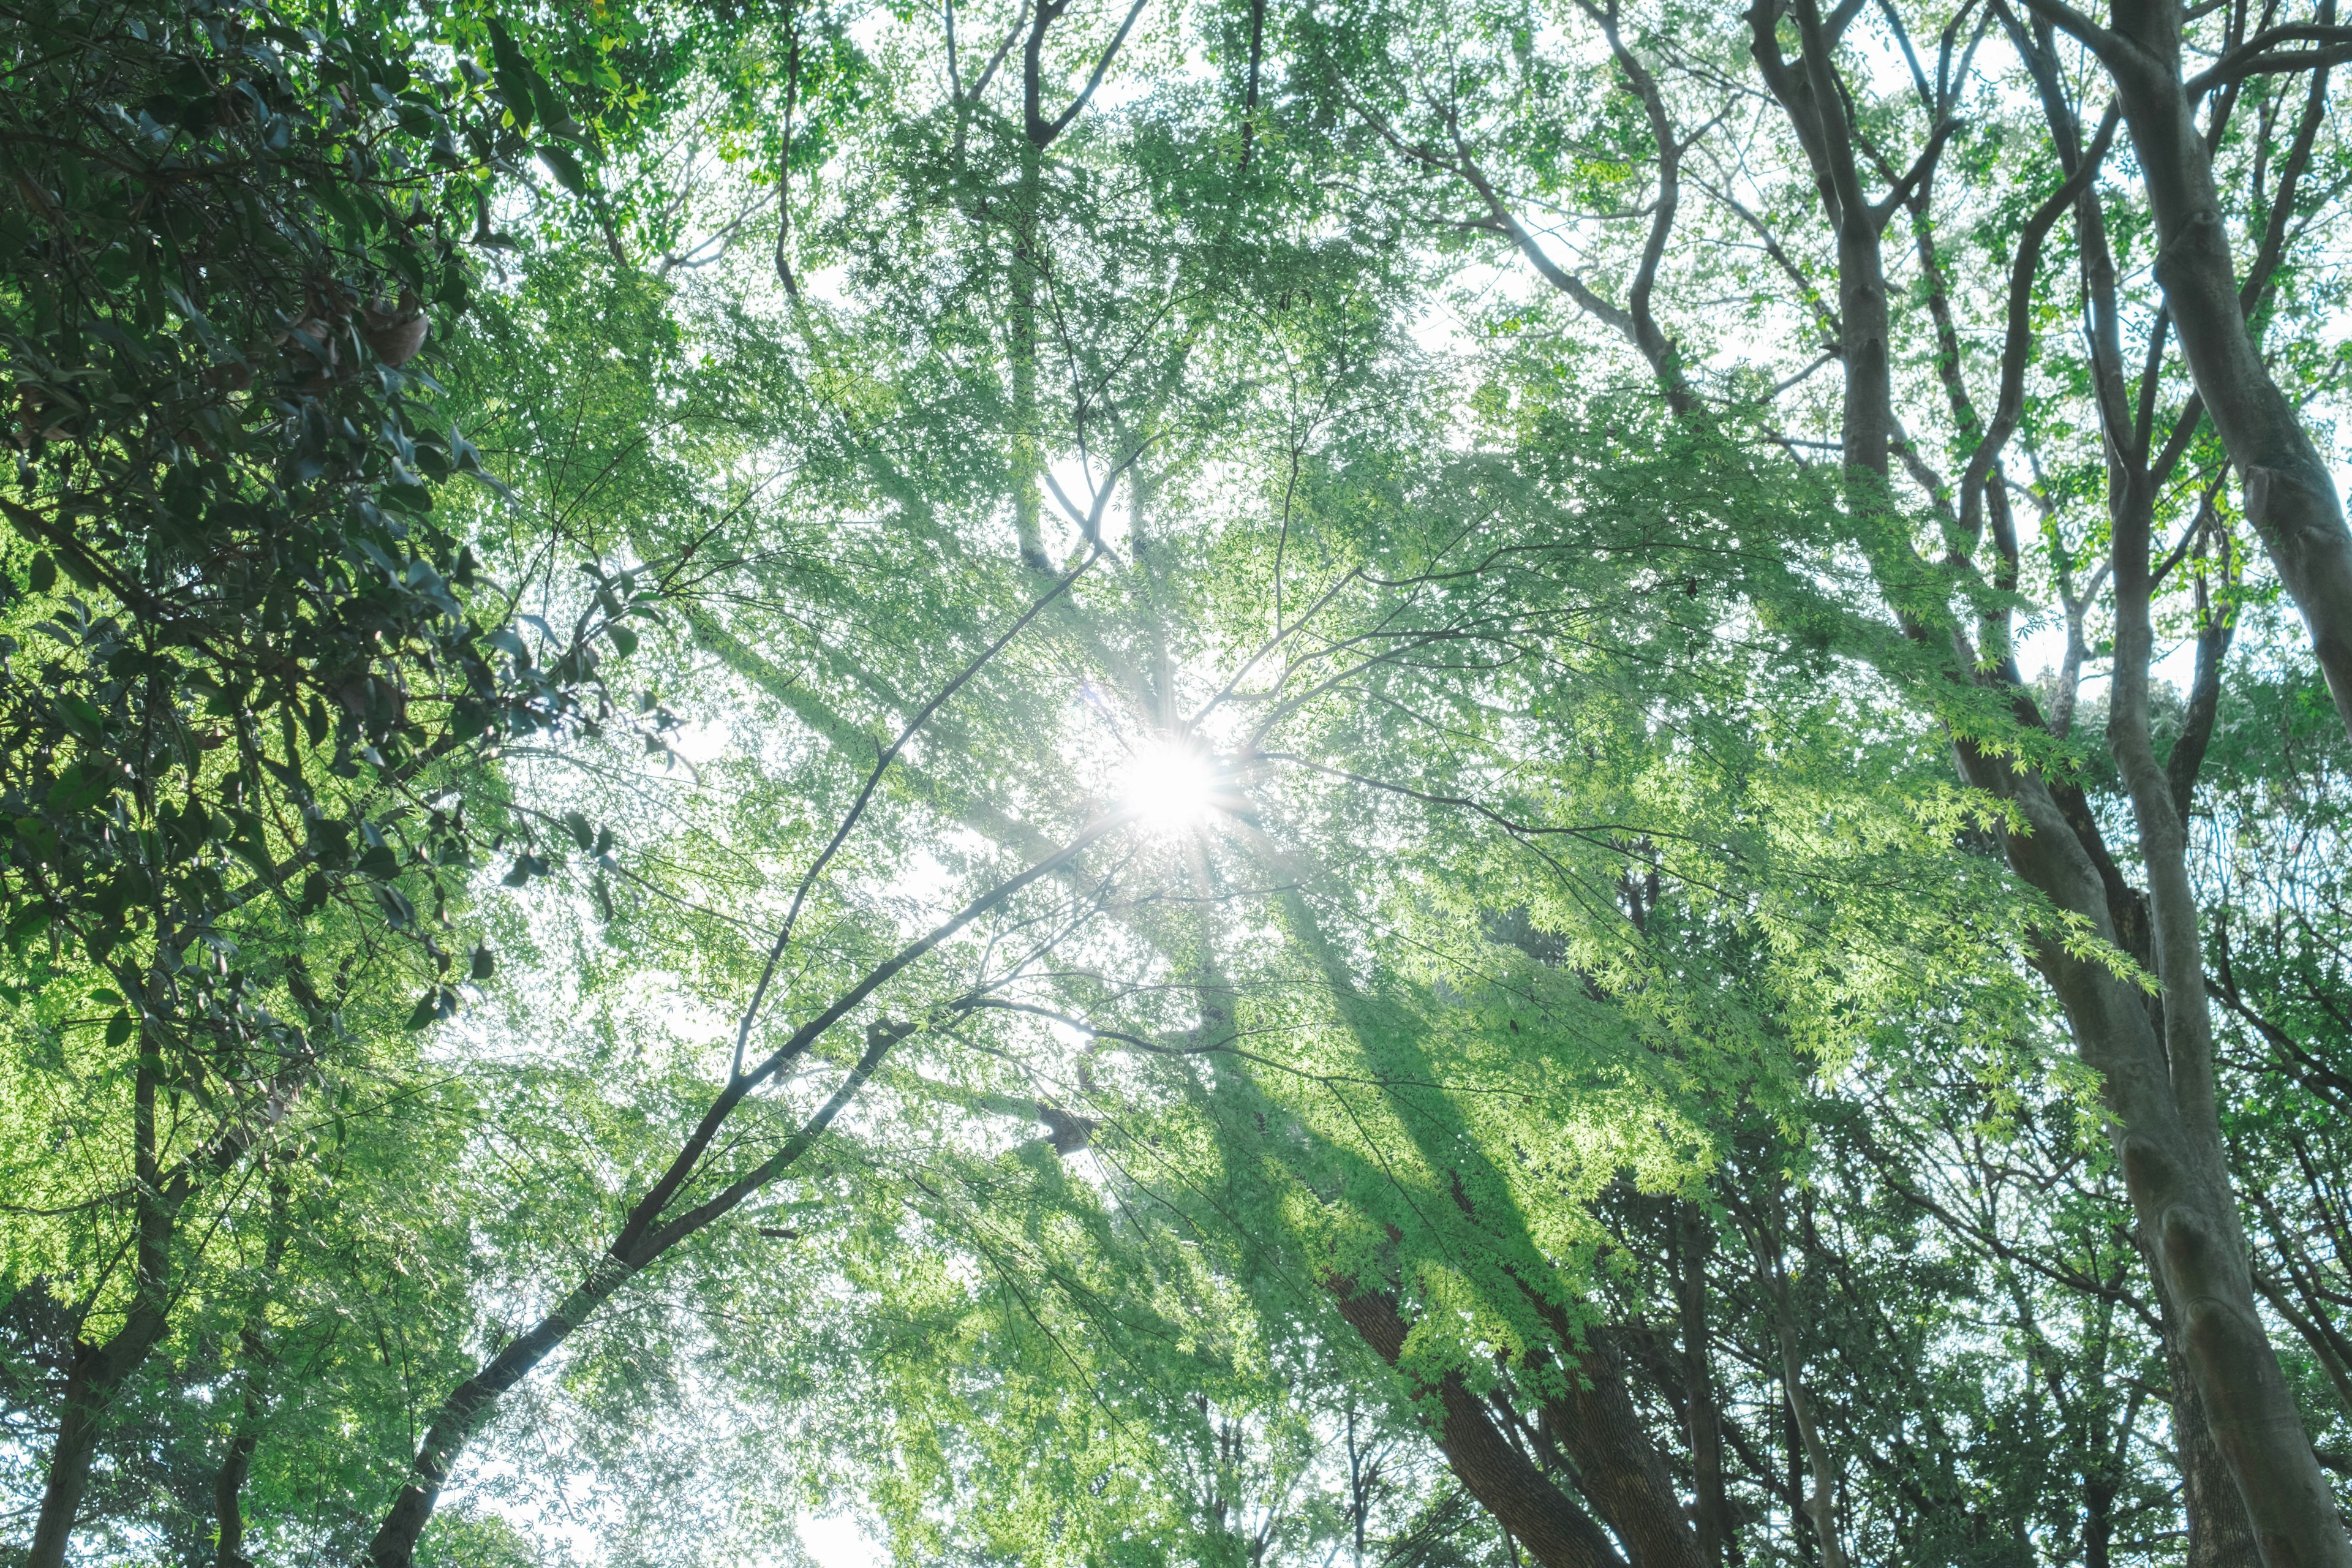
(2156, 1070)
(97, 1371)
(2290, 496)
(1703, 1418)
(1554, 1530)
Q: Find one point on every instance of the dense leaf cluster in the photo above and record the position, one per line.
(248, 650)
(1336, 841)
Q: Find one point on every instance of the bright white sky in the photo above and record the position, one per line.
(837, 1541)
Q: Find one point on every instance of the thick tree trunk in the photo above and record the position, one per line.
(2220, 1536)
(1617, 1466)
(1545, 1520)
(2187, 1223)
(92, 1380)
(2290, 496)
(2098, 1522)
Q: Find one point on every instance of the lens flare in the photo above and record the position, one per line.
(1169, 787)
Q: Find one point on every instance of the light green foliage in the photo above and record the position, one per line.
(1584, 952)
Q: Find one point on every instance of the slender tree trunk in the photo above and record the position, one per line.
(228, 1486)
(2233, 1401)
(644, 1239)
(1357, 1489)
(253, 1341)
(1704, 1418)
(96, 1373)
(2162, 1129)
(2187, 1224)
(1027, 463)
(1800, 1519)
(2219, 1532)
(1821, 1505)
(1257, 62)
(473, 1402)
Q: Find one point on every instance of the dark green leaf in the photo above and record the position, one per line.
(565, 167)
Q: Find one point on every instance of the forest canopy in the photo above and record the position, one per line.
(1273, 782)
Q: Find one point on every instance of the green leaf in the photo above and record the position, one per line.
(39, 838)
(565, 168)
(43, 572)
(485, 963)
(82, 785)
(119, 1029)
(25, 924)
(514, 76)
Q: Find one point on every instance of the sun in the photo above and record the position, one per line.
(1169, 786)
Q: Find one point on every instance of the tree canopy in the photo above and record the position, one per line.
(1174, 783)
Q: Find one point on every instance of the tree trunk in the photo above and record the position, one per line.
(2290, 496)
(1705, 1419)
(1027, 455)
(2179, 1192)
(472, 1403)
(97, 1372)
(1617, 1465)
(2187, 1224)
(2220, 1536)
(2218, 1531)
(228, 1486)
(646, 1235)
(1507, 1483)
(1821, 1507)
(253, 1341)
(94, 1377)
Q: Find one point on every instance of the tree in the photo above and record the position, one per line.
(1471, 941)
